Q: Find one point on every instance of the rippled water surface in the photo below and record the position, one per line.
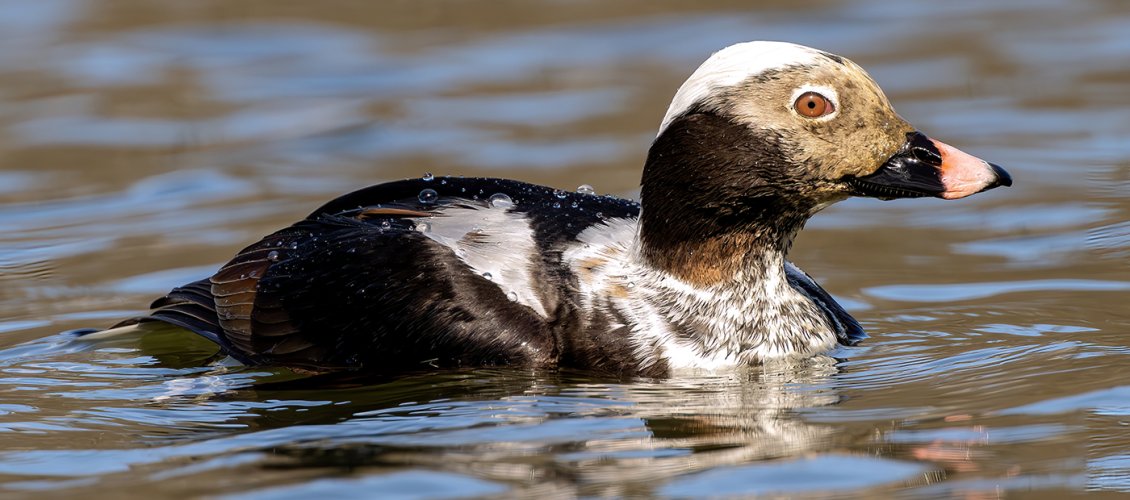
(142, 143)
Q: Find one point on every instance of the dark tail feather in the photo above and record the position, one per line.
(190, 307)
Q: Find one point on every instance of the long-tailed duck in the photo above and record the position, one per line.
(452, 271)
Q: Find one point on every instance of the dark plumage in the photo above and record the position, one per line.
(450, 272)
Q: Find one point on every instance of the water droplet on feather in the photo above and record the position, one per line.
(428, 196)
(500, 200)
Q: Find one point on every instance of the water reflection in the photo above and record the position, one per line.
(537, 432)
(592, 437)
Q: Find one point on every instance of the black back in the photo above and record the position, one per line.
(355, 285)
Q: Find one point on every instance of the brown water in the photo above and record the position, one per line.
(142, 143)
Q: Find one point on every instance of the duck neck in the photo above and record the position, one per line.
(726, 292)
(697, 252)
(736, 216)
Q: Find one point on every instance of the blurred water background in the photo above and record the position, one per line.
(143, 142)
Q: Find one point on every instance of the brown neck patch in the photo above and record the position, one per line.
(707, 262)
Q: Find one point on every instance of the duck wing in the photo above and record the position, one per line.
(361, 282)
(848, 330)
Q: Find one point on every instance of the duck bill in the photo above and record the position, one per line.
(926, 167)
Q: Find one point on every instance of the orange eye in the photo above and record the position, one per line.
(813, 105)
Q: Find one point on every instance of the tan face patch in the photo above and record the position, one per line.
(856, 139)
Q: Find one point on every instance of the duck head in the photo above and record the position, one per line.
(765, 134)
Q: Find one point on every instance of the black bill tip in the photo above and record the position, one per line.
(1003, 179)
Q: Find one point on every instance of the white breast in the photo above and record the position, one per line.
(749, 319)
